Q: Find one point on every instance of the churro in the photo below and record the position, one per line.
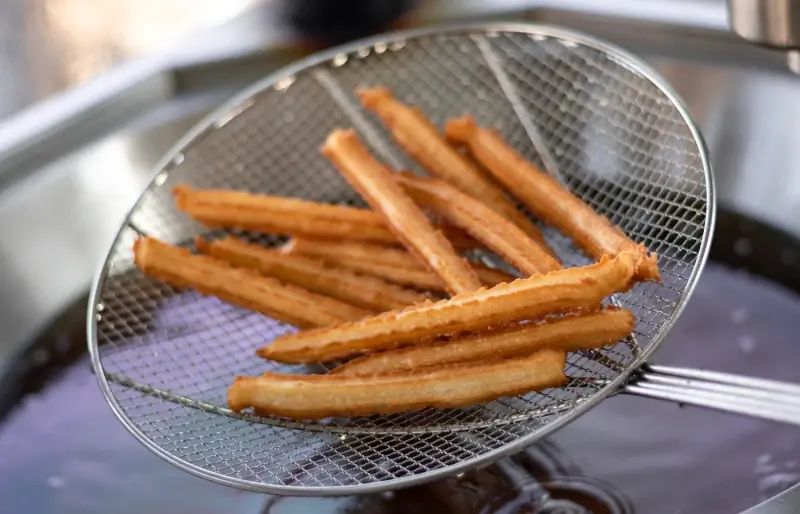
(496, 232)
(546, 198)
(223, 208)
(313, 274)
(321, 396)
(573, 289)
(286, 303)
(392, 264)
(423, 141)
(568, 333)
(376, 184)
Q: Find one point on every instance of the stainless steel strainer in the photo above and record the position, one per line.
(590, 114)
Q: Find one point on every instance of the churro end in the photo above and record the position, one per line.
(236, 401)
(459, 130)
(647, 267)
(140, 247)
(627, 263)
(180, 193)
(554, 357)
(336, 138)
(372, 97)
(626, 317)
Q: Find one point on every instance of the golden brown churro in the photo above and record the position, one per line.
(481, 222)
(546, 198)
(569, 333)
(375, 183)
(289, 304)
(222, 208)
(556, 292)
(423, 141)
(392, 264)
(313, 274)
(322, 396)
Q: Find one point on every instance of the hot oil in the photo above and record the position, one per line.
(62, 450)
(540, 479)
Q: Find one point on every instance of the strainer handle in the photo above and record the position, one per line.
(755, 397)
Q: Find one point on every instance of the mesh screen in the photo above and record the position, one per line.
(586, 115)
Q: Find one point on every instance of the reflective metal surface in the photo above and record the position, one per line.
(746, 103)
(48, 46)
(73, 205)
(767, 22)
(774, 23)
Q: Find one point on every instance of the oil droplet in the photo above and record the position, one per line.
(764, 464)
(746, 343)
(739, 316)
(55, 482)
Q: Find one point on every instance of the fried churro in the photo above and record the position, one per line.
(313, 274)
(496, 232)
(376, 184)
(559, 291)
(569, 333)
(322, 396)
(286, 303)
(546, 198)
(223, 208)
(392, 264)
(423, 141)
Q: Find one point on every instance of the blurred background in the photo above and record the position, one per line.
(52, 45)
(94, 92)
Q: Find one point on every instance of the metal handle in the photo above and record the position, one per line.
(760, 398)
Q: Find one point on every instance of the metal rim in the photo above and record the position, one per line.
(208, 123)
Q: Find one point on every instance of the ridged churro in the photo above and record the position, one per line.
(392, 264)
(313, 274)
(289, 304)
(559, 291)
(375, 182)
(322, 396)
(568, 333)
(546, 198)
(423, 141)
(484, 224)
(223, 208)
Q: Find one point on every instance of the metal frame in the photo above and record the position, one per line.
(208, 123)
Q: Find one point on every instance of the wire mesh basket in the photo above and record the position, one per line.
(586, 112)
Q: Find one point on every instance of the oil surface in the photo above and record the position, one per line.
(63, 451)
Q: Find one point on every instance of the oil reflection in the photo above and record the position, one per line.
(541, 479)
